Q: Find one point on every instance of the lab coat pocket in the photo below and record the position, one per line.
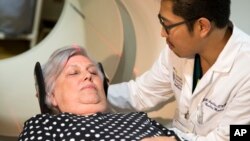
(205, 119)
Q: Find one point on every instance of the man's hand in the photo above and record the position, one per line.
(162, 138)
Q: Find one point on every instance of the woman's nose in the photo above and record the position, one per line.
(87, 76)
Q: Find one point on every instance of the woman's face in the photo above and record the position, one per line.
(79, 88)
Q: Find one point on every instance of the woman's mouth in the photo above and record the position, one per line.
(89, 86)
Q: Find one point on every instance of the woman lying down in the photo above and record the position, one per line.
(75, 94)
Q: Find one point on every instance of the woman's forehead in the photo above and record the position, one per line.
(79, 60)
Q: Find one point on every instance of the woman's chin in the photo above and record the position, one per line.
(91, 98)
(90, 110)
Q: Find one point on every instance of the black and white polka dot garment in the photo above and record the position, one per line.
(100, 126)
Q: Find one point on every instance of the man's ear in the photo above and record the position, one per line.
(204, 26)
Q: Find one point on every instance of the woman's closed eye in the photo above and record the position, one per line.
(73, 72)
(93, 70)
(77, 72)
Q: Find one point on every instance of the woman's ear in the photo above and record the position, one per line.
(204, 26)
(53, 99)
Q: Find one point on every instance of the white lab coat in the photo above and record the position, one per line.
(221, 98)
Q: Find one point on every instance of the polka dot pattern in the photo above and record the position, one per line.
(100, 126)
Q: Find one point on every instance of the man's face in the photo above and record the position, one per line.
(79, 88)
(179, 39)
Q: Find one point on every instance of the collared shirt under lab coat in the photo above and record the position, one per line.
(221, 98)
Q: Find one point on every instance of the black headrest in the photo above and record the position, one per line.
(40, 86)
(105, 79)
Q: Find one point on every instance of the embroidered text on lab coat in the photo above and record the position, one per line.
(212, 105)
(177, 79)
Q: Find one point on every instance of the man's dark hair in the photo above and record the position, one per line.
(217, 11)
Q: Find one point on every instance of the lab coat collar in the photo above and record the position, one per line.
(224, 62)
(226, 58)
(186, 73)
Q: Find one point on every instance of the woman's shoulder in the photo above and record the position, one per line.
(38, 118)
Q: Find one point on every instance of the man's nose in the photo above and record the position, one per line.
(164, 33)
